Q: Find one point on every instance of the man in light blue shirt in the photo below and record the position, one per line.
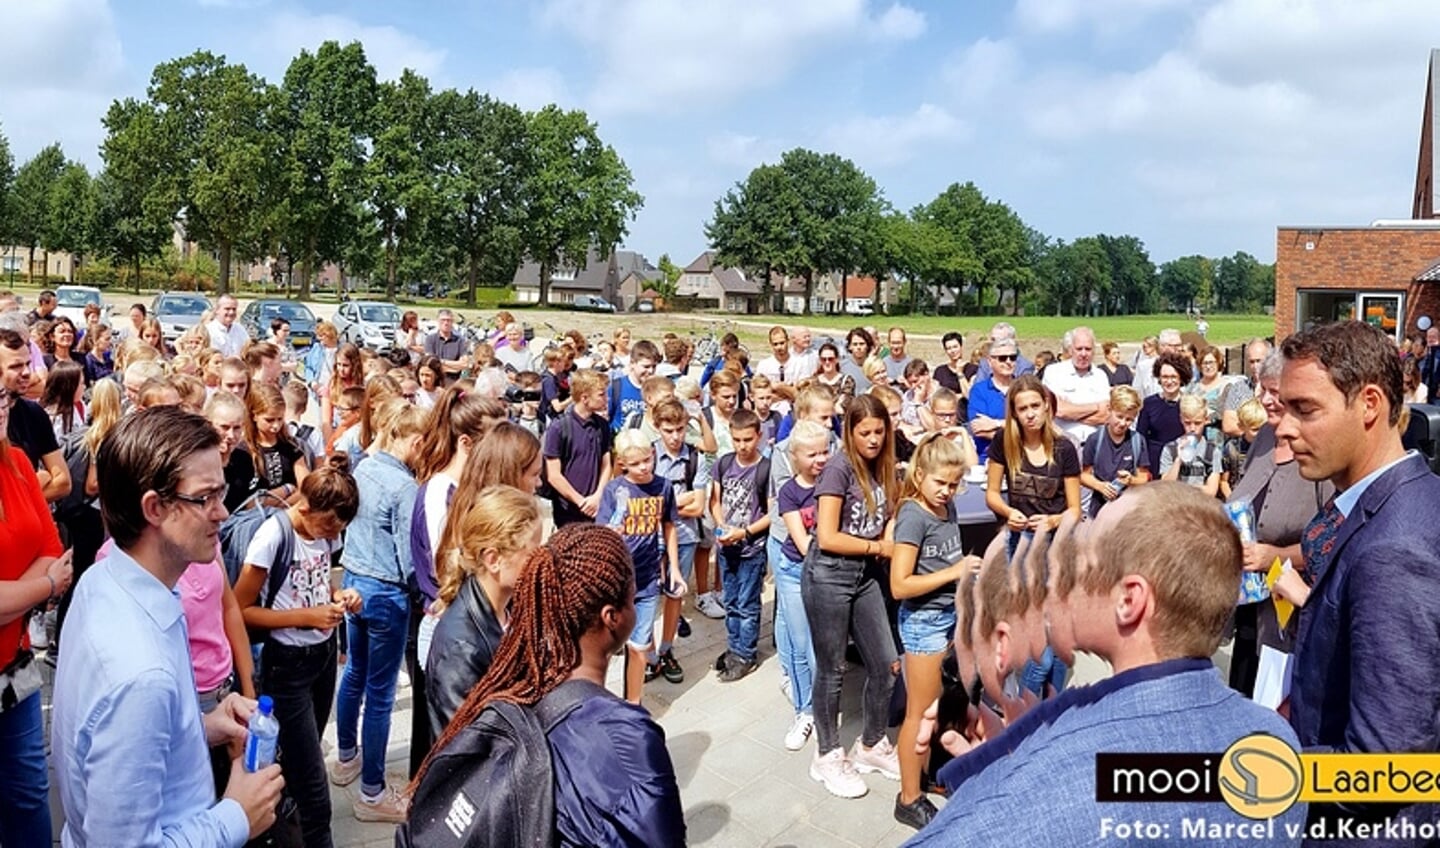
(131, 749)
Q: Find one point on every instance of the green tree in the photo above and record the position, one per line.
(485, 161)
(1132, 274)
(1242, 282)
(30, 202)
(751, 226)
(69, 218)
(133, 218)
(214, 148)
(329, 102)
(577, 194)
(7, 180)
(996, 236)
(1185, 280)
(669, 276)
(401, 168)
(928, 257)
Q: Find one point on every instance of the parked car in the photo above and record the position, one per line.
(70, 302)
(592, 303)
(645, 306)
(859, 306)
(367, 323)
(177, 312)
(257, 317)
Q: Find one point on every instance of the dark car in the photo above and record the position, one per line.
(258, 315)
(177, 312)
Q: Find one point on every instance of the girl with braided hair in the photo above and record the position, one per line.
(572, 610)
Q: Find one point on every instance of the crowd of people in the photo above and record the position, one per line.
(188, 525)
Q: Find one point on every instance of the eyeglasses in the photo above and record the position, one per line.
(1004, 357)
(206, 500)
(410, 397)
(948, 416)
(347, 408)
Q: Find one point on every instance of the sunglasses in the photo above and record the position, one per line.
(827, 358)
(1005, 357)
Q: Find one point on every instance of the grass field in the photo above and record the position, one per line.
(1224, 329)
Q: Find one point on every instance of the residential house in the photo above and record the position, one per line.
(48, 264)
(715, 286)
(619, 279)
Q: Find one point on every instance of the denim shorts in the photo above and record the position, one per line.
(926, 631)
(643, 636)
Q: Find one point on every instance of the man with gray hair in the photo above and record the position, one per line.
(1240, 391)
(1145, 382)
(1005, 331)
(447, 345)
(803, 359)
(1082, 392)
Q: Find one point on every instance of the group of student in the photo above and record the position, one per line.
(403, 534)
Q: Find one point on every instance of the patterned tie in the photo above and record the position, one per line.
(1319, 539)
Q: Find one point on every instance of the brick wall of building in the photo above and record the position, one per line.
(1360, 258)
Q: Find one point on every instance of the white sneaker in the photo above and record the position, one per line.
(402, 680)
(710, 606)
(880, 758)
(39, 638)
(785, 685)
(837, 774)
(799, 732)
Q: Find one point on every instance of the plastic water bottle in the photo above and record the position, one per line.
(264, 733)
(1243, 517)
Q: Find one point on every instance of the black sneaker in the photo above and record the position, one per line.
(683, 630)
(670, 668)
(721, 660)
(736, 668)
(916, 814)
(652, 671)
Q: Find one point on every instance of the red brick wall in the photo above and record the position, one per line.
(1362, 258)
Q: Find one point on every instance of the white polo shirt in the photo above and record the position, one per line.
(229, 342)
(1071, 387)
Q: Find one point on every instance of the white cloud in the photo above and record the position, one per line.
(1104, 15)
(899, 23)
(61, 67)
(983, 68)
(885, 140)
(531, 88)
(742, 151)
(283, 35)
(672, 55)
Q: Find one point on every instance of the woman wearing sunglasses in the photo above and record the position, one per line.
(828, 372)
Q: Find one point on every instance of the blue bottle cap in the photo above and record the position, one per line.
(266, 705)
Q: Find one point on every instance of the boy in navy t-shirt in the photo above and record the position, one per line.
(740, 507)
(641, 508)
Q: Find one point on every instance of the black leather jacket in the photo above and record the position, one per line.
(464, 643)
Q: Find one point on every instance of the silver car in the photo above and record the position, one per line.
(177, 312)
(367, 323)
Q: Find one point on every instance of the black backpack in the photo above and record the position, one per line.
(77, 462)
(238, 530)
(494, 784)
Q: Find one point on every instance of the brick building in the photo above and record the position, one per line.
(1387, 273)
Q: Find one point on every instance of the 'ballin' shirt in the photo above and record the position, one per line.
(639, 514)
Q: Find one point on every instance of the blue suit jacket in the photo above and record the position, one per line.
(1367, 657)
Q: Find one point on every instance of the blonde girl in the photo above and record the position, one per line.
(493, 538)
(924, 568)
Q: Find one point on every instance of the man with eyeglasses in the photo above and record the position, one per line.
(131, 748)
(987, 396)
(1240, 391)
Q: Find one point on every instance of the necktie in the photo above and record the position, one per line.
(1319, 539)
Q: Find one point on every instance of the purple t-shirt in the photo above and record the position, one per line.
(587, 443)
(639, 514)
(794, 497)
(839, 480)
(742, 498)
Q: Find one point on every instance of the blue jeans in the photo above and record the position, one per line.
(1049, 670)
(792, 628)
(24, 779)
(742, 580)
(377, 647)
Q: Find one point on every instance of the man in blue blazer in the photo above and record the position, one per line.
(1367, 658)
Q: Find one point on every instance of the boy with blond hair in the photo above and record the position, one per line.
(1192, 459)
(640, 506)
(1115, 456)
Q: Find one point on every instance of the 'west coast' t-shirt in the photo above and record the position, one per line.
(639, 513)
(306, 586)
(937, 542)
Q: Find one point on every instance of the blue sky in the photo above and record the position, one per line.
(1197, 125)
